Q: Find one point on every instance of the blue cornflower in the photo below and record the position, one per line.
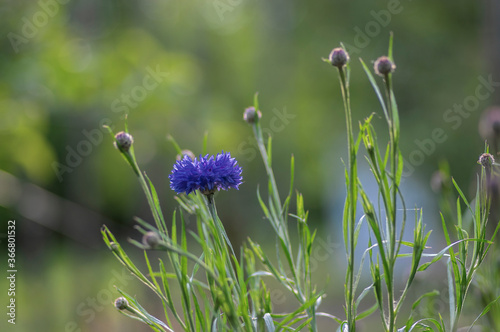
(207, 174)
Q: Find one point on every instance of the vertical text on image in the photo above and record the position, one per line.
(11, 271)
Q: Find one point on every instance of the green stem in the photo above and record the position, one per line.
(279, 220)
(282, 226)
(351, 319)
(394, 155)
(393, 252)
(210, 201)
(145, 187)
(230, 293)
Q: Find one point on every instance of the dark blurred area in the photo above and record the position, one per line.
(186, 68)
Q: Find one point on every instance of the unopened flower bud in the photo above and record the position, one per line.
(251, 115)
(486, 160)
(151, 239)
(113, 246)
(338, 57)
(123, 141)
(184, 153)
(384, 66)
(369, 147)
(121, 303)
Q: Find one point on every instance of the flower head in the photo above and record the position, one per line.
(151, 240)
(384, 66)
(486, 160)
(123, 141)
(338, 57)
(206, 174)
(121, 303)
(251, 115)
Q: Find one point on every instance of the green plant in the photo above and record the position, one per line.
(223, 289)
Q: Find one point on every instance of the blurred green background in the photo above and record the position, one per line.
(186, 68)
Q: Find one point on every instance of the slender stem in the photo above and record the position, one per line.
(454, 327)
(210, 201)
(275, 194)
(351, 192)
(392, 214)
(394, 155)
(224, 244)
(145, 187)
(279, 220)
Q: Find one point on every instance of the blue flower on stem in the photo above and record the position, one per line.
(206, 174)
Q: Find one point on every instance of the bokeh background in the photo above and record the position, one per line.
(189, 69)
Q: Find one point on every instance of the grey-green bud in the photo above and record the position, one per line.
(151, 239)
(251, 115)
(384, 66)
(184, 153)
(121, 303)
(486, 160)
(113, 246)
(123, 141)
(338, 57)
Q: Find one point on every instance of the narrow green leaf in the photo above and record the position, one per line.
(375, 88)
(462, 195)
(162, 226)
(256, 101)
(389, 52)
(269, 322)
(367, 312)
(174, 143)
(263, 205)
(269, 151)
(304, 324)
(205, 143)
(484, 312)
(451, 291)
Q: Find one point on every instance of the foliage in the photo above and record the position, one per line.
(223, 289)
